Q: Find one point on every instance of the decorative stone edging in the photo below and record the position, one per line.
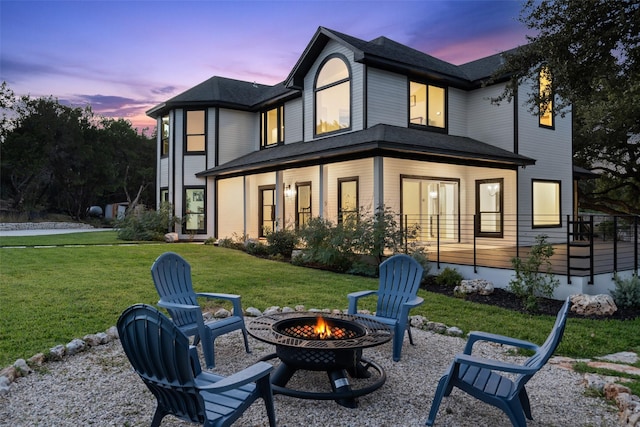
(628, 404)
(13, 226)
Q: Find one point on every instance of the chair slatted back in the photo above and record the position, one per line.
(172, 277)
(400, 277)
(159, 352)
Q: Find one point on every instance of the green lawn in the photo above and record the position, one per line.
(50, 295)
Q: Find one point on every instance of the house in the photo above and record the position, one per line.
(364, 124)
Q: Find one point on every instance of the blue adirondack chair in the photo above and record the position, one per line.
(161, 355)
(172, 278)
(400, 277)
(481, 378)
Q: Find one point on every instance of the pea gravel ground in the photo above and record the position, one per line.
(99, 388)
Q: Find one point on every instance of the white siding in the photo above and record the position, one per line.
(357, 79)
(293, 176)
(387, 96)
(293, 121)
(488, 122)
(363, 169)
(230, 207)
(238, 132)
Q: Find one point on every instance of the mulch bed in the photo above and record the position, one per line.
(505, 299)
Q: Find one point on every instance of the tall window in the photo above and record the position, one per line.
(333, 97)
(427, 105)
(195, 131)
(194, 214)
(546, 98)
(546, 203)
(347, 200)
(272, 127)
(267, 214)
(164, 145)
(489, 207)
(303, 204)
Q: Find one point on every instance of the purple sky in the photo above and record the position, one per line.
(124, 57)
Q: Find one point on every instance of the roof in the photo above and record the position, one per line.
(380, 52)
(379, 140)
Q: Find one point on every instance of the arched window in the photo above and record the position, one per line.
(333, 97)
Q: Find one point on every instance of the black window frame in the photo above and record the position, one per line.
(185, 214)
(264, 129)
(341, 212)
(493, 234)
(186, 150)
(261, 221)
(164, 136)
(426, 126)
(533, 211)
(316, 90)
(299, 214)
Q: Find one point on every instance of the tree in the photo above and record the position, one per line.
(64, 159)
(592, 48)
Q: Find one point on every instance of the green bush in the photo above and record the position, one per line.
(421, 255)
(256, 248)
(282, 242)
(449, 277)
(627, 292)
(146, 225)
(530, 282)
(328, 245)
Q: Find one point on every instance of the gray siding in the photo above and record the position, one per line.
(293, 128)
(387, 96)
(238, 133)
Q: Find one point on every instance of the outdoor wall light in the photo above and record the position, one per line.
(289, 192)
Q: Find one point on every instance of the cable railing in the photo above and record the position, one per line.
(585, 245)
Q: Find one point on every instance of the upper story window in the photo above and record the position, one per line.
(195, 131)
(164, 138)
(272, 127)
(333, 97)
(546, 98)
(427, 105)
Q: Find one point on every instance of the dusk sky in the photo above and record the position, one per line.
(124, 57)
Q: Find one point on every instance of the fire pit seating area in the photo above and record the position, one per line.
(172, 277)
(400, 277)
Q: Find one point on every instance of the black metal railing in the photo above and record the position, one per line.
(585, 245)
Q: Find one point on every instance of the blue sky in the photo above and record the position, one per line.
(122, 57)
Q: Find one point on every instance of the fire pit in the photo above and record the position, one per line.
(323, 342)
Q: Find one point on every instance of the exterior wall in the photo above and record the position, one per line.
(293, 121)
(552, 150)
(230, 207)
(293, 176)
(363, 169)
(239, 134)
(387, 95)
(211, 138)
(489, 123)
(357, 89)
(252, 199)
(457, 112)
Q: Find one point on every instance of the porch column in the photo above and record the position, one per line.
(378, 182)
(245, 203)
(279, 201)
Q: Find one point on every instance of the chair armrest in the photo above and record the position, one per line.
(235, 299)
(211, 295)
(500, 339)
(494, 365)
(246, 376)
(178, 306)
(414, 302)
(354, 297)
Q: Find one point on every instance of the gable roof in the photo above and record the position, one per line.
(379, 140)
(382, 53)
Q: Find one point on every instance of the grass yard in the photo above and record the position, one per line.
(50, 295)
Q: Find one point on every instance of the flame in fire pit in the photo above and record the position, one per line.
(322, 329)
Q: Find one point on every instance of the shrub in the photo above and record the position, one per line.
(421, 255)
(144, 224)
(529, 282)
(256, 248)
(627, 292)
(282, 242)
(328, 245)
(449, 277)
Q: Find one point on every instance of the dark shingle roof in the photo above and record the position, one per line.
(391, 141)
